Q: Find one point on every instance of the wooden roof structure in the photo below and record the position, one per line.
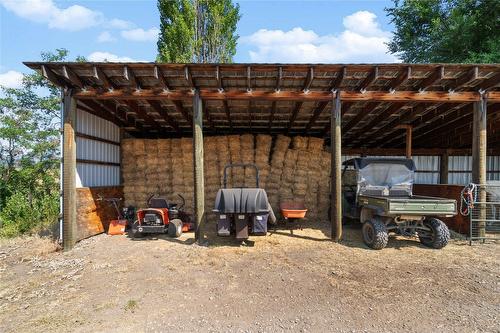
(156, 100)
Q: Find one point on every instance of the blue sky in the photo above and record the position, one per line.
(270, 31)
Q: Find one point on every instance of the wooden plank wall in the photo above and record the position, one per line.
(93, 216)
(458, 223)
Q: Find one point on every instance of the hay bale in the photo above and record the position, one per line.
(315, 144)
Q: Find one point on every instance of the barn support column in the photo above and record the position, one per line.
(199, 185)
(479, 147)
(336, 169)
(69, 170)
(443, 168)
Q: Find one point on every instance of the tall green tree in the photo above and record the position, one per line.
(455, 31)
(29, 150)
(199, 31)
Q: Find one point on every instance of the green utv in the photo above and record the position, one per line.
(379, 192)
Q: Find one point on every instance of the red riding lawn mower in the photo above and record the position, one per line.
(162, 217)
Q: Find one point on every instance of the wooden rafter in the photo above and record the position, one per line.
(228, 114)
(279, 78)
(367, 109)
(273, 112)
(372, 76)
(435, 76)
(249, 78)
(316, 113)
(51, 76)
(157, 106)
(97, 110)
(400, 79)
(129, 75)
(208, 117)
(218, 77)
(388, 112)
(492, 82)
(99, 75)
(295, 112)
(309, 79)
(337, 82)
(71, 76)
(141, 115)
(188, 77)
(464, 79)
(161, 80)
(179, 108)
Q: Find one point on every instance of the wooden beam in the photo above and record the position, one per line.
(337, 82)
(295, 112)
(218, 78)
(199, 185)
(228, 113)
(360, 115)
(395, 107)
(146, 119)
(249, 79)
(129, 75)
(110, 114)
(69, 171)
(336, 167)
(415, 152)
(479, 160)
(368, 80)
(437, 75)
(189, 78)
(309, 79)
(400, 79)
(52, 77)
(492, 82)
(467, 77)
(84, 161)
(158, 107)
(207, 115)
(72, 77)
(316, 113)
(210, 94)
(181, 110)
(443, 168)
(161, 80)
(271, 116)
(101, 76)
(279, 79)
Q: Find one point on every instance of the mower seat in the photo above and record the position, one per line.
(158, 203)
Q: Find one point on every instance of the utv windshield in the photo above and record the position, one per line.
(386, 175)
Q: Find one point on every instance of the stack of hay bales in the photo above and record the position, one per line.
(324, 186)
(301, 176)
(273, 182)
(134, 172)
(211, 174)
(262, 152)
(186, 149)
(164, 168)
(237, 174)
(151, 164)
(177, 175)
(247, 156)
(315, 147)
(223, 157)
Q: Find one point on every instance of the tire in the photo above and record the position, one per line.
(375, 234)
(134, 232)
(439, 237)
(175, 228)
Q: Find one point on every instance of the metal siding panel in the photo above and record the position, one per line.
(98, 175)
(98, 127)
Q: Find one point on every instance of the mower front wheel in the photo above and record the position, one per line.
(175, 228)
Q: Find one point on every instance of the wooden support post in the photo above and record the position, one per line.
(443, 169)
(69, 170)
(336, 168)
(199, 186)
(479, 147)
(408, 141)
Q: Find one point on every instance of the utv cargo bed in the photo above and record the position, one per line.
(411, 205)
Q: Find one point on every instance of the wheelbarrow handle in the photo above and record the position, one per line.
(241, 165)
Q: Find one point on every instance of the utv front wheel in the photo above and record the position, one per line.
(437, 237)
(375, 234)
(175, 228)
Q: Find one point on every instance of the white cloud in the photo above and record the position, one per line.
(105, 37)
(141, 35)
(11, 79)
(361, 41)
(73, 18)
(99, 56)
(120, 24)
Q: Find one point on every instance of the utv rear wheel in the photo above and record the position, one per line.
(375, 234)
(437, 237)
(175, 228)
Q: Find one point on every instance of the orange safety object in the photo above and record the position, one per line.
(117, 227)
(293, 210)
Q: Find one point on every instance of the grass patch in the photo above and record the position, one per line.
(131, 305)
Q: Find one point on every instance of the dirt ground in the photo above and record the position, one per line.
(301, 282)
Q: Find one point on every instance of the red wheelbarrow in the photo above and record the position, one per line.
(293, 211)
